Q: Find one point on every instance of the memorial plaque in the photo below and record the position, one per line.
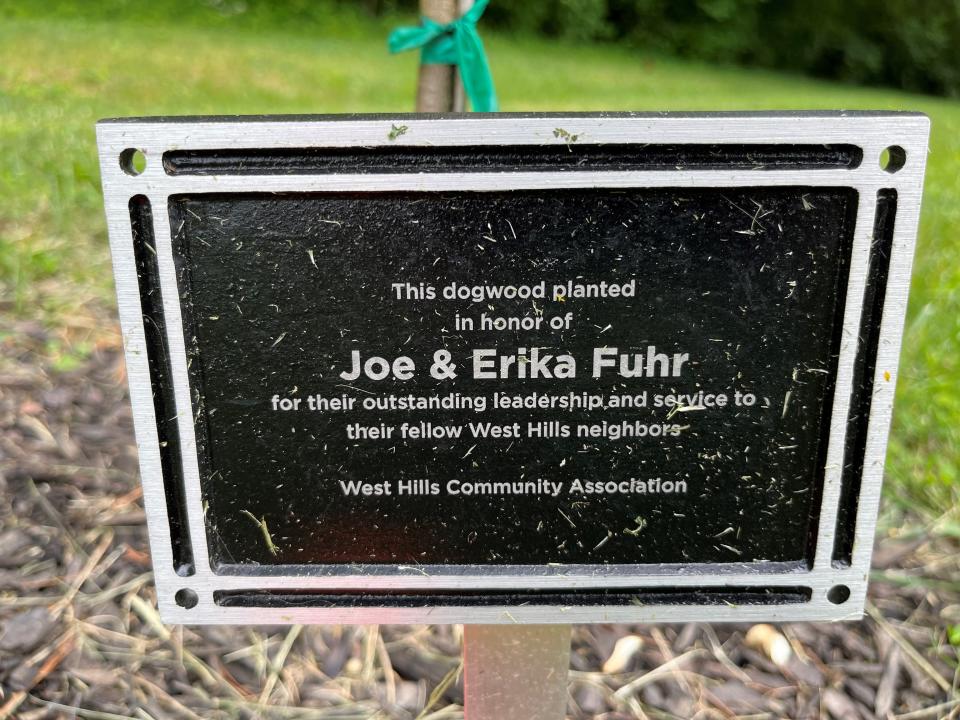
(513, 368)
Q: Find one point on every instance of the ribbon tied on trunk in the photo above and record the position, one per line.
(456, 43)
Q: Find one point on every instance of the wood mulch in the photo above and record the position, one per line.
(79, 635)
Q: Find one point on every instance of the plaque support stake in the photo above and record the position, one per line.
(516, 671)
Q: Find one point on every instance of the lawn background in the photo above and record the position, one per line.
(61, 70)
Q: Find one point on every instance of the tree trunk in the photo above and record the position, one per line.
(436, 88)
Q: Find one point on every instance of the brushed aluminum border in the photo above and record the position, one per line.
(872, 132)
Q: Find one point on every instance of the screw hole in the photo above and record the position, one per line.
(893, 158)
(133, 161)
(838, 594)
(186, 598)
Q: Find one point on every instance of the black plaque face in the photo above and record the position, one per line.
(529, 444)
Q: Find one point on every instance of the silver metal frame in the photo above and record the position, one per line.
(872, 132)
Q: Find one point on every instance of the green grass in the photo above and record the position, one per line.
(58, 76)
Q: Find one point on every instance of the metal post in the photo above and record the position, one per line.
(516, 671)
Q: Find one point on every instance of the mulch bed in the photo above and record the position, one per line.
(79, 635)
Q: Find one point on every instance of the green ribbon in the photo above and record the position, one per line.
(457, 43)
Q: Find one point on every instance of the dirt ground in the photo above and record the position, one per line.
(79, 635)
